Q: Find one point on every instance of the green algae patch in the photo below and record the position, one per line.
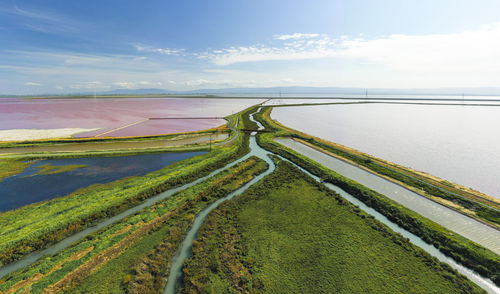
(49, 169)
(11, 167)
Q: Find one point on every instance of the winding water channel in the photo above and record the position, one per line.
(33, 257)
(471, 229)
(484, 283)
(185, 250)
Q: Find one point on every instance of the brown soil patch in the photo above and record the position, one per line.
(122, 230)
(37, 277)
(99, 260)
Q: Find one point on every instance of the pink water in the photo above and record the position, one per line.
(111, 113)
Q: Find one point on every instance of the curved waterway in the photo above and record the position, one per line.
(463, 225)
(175, 276)
(484, 283)
(176, 269)
(185, 251)
(33, 257)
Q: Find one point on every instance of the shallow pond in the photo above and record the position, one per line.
(456, 143)
(32, 185)
(119, 117)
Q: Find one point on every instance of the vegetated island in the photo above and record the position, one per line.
(290, 234)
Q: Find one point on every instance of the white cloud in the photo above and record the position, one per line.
(147, 83)
(474, 53)
(28, 62)
(44, 21)
(39, 15)
(90, 85)
(469, 51)
(32, 84)
(464, 59)
(299, 49)
(164, 51)
(295, 36)
(125, 85)
(167, 51)
(137, 85)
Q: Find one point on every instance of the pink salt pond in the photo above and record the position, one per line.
(119, 117)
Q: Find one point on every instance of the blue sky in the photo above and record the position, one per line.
(74, 46)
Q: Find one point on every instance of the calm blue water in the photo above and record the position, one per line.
(29, 187)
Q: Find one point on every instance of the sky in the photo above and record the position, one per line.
(83, 46)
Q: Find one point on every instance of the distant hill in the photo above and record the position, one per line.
(135, 91)
(316, 90)
(493, 91)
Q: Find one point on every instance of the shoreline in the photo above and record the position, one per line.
(462, 250)
(433, 180)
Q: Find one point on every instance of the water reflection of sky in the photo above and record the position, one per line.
(456, 143)
(29, 187)
(112, 113)
(493, 101)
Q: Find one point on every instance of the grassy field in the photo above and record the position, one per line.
(289, 234)
(110, 260)
(473, 203)
(453, 245)
(245, 117)
(35, 226)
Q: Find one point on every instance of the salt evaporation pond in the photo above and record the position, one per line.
(118, 116)
(30, 186)
(457, 143)
(492, 101)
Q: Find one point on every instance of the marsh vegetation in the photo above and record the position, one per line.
(290, 234)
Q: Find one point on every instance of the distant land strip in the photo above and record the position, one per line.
(126, 126)
(211, 117)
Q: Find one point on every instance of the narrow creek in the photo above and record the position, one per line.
(53, 249)
(470, 228)
(174, 279)
(484, 283)
(185, 250)
(175, 276)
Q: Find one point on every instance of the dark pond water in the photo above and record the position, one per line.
(30, 187)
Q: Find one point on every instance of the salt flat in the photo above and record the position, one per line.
(35, 134)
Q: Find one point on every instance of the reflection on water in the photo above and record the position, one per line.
(30, 187)
(459, 223)
(111, 113)
(447, 101)
(456, 143)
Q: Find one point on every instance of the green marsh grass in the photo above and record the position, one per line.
(289, 234)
